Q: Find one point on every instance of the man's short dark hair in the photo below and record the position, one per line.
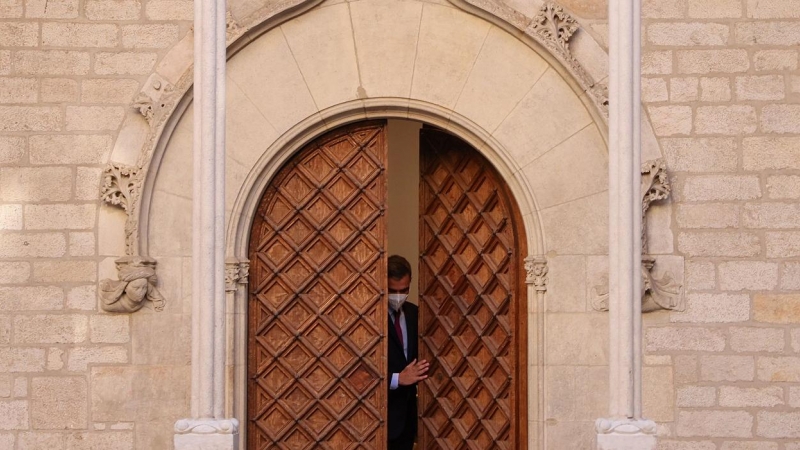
(399, 267)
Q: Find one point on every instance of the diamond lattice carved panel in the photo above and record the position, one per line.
(316, 365)
(472, 303)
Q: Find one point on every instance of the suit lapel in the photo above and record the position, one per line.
(393, 335)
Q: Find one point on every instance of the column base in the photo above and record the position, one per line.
(206, 434)
(625, 434)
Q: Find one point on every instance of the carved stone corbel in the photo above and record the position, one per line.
(136, 286)
(236, 273)
(536, 269)
(664, 293)
(149, 101)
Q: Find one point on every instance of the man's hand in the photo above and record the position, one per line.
(413, 373)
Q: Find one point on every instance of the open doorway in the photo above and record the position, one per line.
(317, 306)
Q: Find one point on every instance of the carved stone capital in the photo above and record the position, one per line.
(663, 292)
(625, 426)
(655, 187)
(207, 426)
(536, 268)
(236, 272)
(554, 25)
(120, 185)
(136, 286)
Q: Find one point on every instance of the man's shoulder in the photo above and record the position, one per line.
(410, 308)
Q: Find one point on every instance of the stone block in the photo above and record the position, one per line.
(715, 424)
(577, 339)
(60, 271)
(663, 9)
(581, 392)
(82, 298)
(59, 403)
(748, 275)
(31, 298)
(656, 62)
(779, 369)
(82, 244)
(794, 396)
(671, 120)
(55, 90)
(34, 245)
(720, 188)
(766, 87)
(21, 359)
(20, 387)
(107, 440)
(713, 61)
(94, 118)
(771, 215)
(715, 89)
(658, 394)
(103, 90)
(684, 89)
(728, 120)
(567, 278)
(749, 445)
(6, 385)
(18, 90)
(696, 396)
(760, 153)
(778, 425)
(700, 275)
(777, 60)
(149, 36)
(169, 10)
(30, 118)
(38, 440)
(752, 339)
(740, 397)
(776, 308)
(87, 183)
(790, 276)
(659, 339)
(62, 34)
(714, 308)
(11, 9)
(780, 118)
(772, 9)
(50, 329)
(124, 63)
(714, 215)
(727, 368)
(10, 217)
(654, 90)
(60, 216)
(51, 9)
(51, 62)
(783, 186)
(12, 149)
(129, 394)
(714, 9)
(768, 33)
(109, 329)
(24, 184)
(7, 439)
(69, 149)
(14, 415)
(14, 272)
(5, 330)
(687, 34)
(113, 9)
(783, 244)
(55, 359)
(161, 339)
(80, 358)
(5, 62)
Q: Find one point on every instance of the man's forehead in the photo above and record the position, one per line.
(400, 281)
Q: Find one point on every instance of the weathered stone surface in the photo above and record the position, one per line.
(109, 329)
(771, 215)
(700, 275)
(733, 244)
(50, 329)
(715, 215)
(82, 243)
(59, 403)
(581, 391)
(759, 153)
(671, 120)
(124, 63)
(712, 61)
(70, 149)
(767, 87)
(776, 308)
(654, 90)
(12, 149)
(715, 89)
(738, 397)
(51, 62)
(684, 339)
(10, 217)
(736, 424)
(64, 271)
(567, 330)
(752, 339)
(687, 34)
(749, 445)
(658, 393)
(169, 10)
(656, 62)
(94, 118)
(748, 275)
(790, 276)
(80, 358)
(714, 308)
(55, 90)
(14, 415)
(783, 244)
(727, 368)
(780, 118)
(778, 424)
(38, 440)
(715, 9)
(61, 34)
(775, 60)
(768, 33)
(113, 9)
(127, 393)
(106, 440)
(696, 396)
(720, 187)
(30, 118)
(149, 36)
(779, 368)
(25, 245)
(31, 298)
(14, 272)
(102, 90)
(87, 183)
(82, 298)
(25, 184)
(18, 90)
(52, 9)
(666, 444)
(728, 120)
(60, 216)
(685, 89)
(783, 186)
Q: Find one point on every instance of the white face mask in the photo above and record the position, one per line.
(396, 301)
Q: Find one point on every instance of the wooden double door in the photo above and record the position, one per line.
(317, 322)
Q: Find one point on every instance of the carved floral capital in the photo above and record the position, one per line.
(536, 269)
(554, 25)
(236, 273)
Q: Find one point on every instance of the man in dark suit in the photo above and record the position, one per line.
(404, 370)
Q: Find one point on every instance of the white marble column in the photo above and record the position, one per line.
(208, 429)
(624, 428)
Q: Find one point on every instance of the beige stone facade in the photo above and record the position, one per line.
(87, 83)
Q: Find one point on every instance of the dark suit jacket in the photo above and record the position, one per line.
(403, 400)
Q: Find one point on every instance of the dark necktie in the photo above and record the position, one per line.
(397, 327)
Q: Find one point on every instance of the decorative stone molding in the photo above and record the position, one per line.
(207, 426)
(536, 268)
(625, 426)
(151, 100)
(664, 293)
(121, 187)
(232, 28)
(236, 272)
(136, 286)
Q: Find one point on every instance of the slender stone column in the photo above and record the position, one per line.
(207, 429)
(625, 429)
